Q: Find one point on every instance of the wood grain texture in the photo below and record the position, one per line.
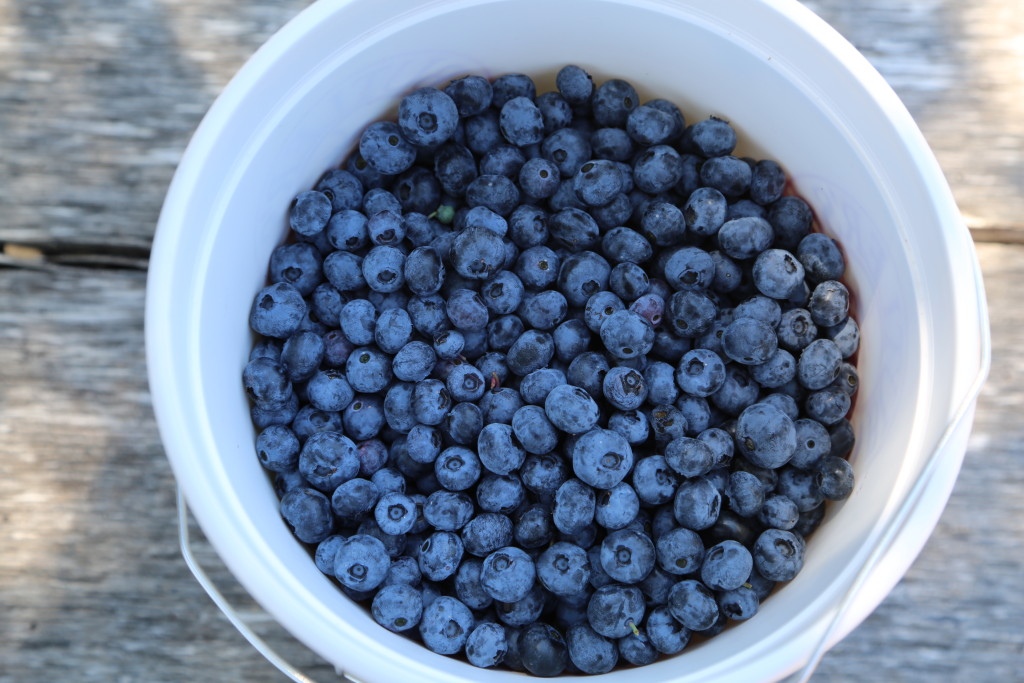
(97, 101)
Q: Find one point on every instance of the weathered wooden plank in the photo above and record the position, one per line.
(97, 102)
(958, 65)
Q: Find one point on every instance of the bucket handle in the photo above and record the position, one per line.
(228, 610)
(892, 528)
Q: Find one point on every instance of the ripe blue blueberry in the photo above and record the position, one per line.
(361, 562)
(615, 610)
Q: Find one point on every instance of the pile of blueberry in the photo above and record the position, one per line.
(553, 381)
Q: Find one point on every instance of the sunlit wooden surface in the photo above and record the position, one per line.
(97, 101)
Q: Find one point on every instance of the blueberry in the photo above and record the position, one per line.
(466, 383)
(615, 610)
(277, 311)
(448, 345)
(482, 132)
(613, 101)
(590, 652)
(571, 409)
(745, 494)
(278, 448)
(384, 147)
(539, 178)
(427, 117)
(385, 228)
(471, 94)
(629, 281)
(361, 562)
(657, 169)
(796, 329)
(624, 388)
(457, 468)
(829, 303)
(623, 244)
(431, 401)
(690, 313)
(726, 566)
(368, 370)
(778, 555)
(463, 423)
(298, 264)
(575, 84)
(397, 607)
(761, 308)
(705, 211)
(602, 458)
(649, 125)
(555, 111)
(354, 498)
(308, 420)
(749, 341)
(666, 634)
(779, 369)
(834, 477)
(574, 506)
(328, 459)
(690, 457)
(845, 335)
(712, 137)
(500, 405)
(697, 504)
(667, 423)
(777, 273)
(828, 406)
(533, 527)
(767, 182)
(309, 213)
(778, 512)
(358, 320)
(533, 430)
(543, 650)
(800, 487)
(819, 364)
(617, 506)
(627, 555)
(693, 605)
(495, 192)
(364, 417)
(500, 451)
(563, 569)
(543, 474)
(507, 574)
(393, 330)
(328, 391)
(445, 625)
(344, 271)
(496, 493)
(486, 645)
(598, 182)
(700, 372)
(343, 189)
(791, 220)
(440, 554)
(743, 238)
(653, 480)
(477, 253)
(659, 382)
(395, 513)
(266, 383)
(637, 649)
(626, 334)
(307, 512)
(448, 510)
(521, 121)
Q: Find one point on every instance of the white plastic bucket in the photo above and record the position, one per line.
(794, 90)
